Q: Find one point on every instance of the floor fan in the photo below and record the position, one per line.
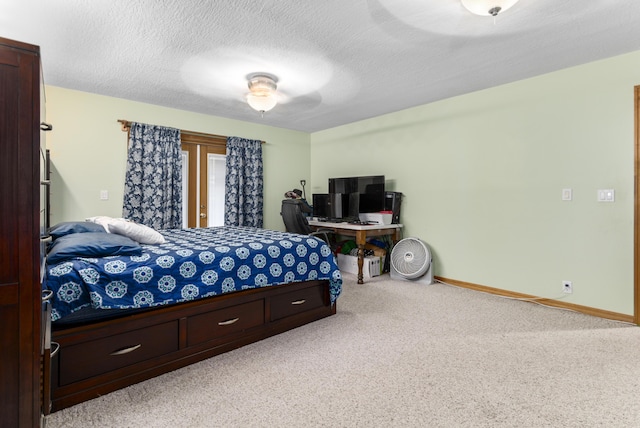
(411, 261)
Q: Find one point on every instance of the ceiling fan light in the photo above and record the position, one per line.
(487, 7)
(262, 95)
(262, 103)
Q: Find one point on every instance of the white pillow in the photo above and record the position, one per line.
(102, 220)
(138, 232)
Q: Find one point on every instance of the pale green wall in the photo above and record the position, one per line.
(88, 151)
(483, 173)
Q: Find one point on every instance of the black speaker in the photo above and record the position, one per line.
(392, 201)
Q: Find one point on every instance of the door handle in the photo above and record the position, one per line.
(56, 348)
(47, 295)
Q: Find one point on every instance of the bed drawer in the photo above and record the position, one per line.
(220, 323)
(298, 301)
(99, 356)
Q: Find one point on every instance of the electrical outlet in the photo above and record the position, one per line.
(567, 287)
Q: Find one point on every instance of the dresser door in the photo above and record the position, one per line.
(20, 295)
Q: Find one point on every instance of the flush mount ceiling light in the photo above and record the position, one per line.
(488, 7)
(262, 94)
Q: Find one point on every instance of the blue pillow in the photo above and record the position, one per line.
(68, 227)
(92, 244)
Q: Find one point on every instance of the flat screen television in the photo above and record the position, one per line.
(363, 194)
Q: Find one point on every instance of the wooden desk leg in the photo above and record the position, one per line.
(361, 239)
(396, 236)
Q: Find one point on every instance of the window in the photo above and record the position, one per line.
(216, 172)
(203, 173)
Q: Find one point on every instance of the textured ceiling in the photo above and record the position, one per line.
(337, 61)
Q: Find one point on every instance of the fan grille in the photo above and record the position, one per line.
(410, 258)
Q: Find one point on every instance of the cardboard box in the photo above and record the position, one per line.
(377, 251)
(370, 267)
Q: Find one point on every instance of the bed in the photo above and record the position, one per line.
(125, 315)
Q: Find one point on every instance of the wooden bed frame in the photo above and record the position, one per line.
(104, 356)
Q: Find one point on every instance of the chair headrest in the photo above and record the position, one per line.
(292, 201)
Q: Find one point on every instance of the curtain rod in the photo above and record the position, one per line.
(126, 125)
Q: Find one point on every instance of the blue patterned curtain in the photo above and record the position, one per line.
(243, 188)
(153, 182)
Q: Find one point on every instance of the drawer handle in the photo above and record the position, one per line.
(55, 351)
(298, 302)
(126, 350)
(228, 322)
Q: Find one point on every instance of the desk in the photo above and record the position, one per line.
(360, 232)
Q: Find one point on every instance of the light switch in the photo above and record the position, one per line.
(104, 195)
(567, 194)
(606, 195)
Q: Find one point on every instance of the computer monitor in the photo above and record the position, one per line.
(343, 206)
(335, 206)
(320, 204)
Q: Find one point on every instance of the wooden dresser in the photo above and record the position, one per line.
(20, 257)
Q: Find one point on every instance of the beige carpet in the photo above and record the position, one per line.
(401, 354)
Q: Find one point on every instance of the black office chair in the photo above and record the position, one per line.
(295, 221)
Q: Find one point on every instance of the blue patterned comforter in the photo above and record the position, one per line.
(192, 264)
